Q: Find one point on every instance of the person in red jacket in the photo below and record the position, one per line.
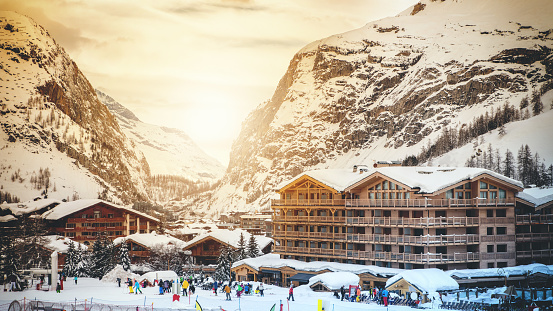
(291, 292)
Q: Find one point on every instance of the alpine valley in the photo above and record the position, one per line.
(442, 83)
(60, 140)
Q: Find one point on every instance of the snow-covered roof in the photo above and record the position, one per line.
(60, 244)
(501, 272)
(274, 261)
(426, 280)
(27, 207)
(151, 239)
(537, 196)
(428, 179)
(7, 218)
(231, 237)
(335, 280)
(68, 208)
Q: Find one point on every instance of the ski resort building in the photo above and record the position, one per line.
(140, 245)
(399, 217)
(84, 220)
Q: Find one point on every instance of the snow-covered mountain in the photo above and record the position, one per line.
(389, 89)
(57, 138)
(168, 151)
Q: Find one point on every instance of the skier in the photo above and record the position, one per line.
(119, 282)
(58, 288)
(185, 285)
(129, 284)
(291, 292)
(227, 291)
(342, 292)
(261, 289)
(385, 297)
(160, 284)
(358, 294)
(75, 278)
(137, 287)
(239, 290)
(215, 287)
(192, 289)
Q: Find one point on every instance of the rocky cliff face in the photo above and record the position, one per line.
(383, 91)
(52, 119)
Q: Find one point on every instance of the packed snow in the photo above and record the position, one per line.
(335, 280)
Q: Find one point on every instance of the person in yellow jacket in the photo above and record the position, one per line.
(185, 285)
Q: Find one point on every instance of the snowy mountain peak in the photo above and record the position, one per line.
(391, 88)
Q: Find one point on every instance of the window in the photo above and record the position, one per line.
(490, 248)
(493, 195)
(502, 194)
(483, 195)
(110, 215)
(490, 230)
(501, 264)
(489, 213)
(483, 185)
(492, 186)
(501, 213)
(69, 226)
(441, 231)
(467, 195)
(385, 185)
(441, 249)
(491, 265)
(501, 248)
(97, 214)
(70, 234)
(449, 194)
(467, 185)
(288, 196)
(86, 224)
(501, 230)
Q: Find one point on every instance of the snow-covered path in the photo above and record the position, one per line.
(95, 291)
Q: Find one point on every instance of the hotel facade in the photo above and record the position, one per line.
(401, 217)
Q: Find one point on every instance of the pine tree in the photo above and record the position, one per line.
(241, 251)
(509, 164)
(253, 249)
(70, 267)
(524, 165)
(124, 259)
(537, 104)
(224, 262)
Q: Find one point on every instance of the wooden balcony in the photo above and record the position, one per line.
(534, 219)
(310, 219)
(497, 256)
(381, 256)
(427, 240)
(395, 203)
(497, 220)
(423, 222)
(534, 237)
(546, 253)
(498, 238)
(309, 235)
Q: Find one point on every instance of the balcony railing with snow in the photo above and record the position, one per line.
(415, 222)
(463, 239)
(534, 219)
(395, 203)
(428, 258)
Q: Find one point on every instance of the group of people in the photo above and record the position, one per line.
(380, 296)
(133, 285)
(241, 289)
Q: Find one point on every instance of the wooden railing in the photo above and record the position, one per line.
(534, 219)
(462, 239)
(309, 235)
(395, 203)
(415, 222)
(497, 220)
(521, 237)
(498, 238)
(497, 256)
(311, 219)
(382, 256)
(547, 253)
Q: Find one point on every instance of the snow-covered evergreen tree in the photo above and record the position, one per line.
(224, 262)
(241, 251)
(124, 259)
(253, 248)
(70, 267)
(102, 257)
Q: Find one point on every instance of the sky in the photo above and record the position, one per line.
(197, 65)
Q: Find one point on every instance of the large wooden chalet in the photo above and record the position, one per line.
(84, 220)
(399, 217)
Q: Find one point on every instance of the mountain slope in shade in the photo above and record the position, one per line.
(56, 137)
(168, 151)
(386, 90)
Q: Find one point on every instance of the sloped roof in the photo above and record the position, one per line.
(536, 196)
(22, 208)
(67, 208)
(60, 244)
(426, 280)
(502, 272)
(151, 240)
(274, 261)
(230, 237)
(335, 280)
(428, 179)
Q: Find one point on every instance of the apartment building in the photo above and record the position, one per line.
(398, 217)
